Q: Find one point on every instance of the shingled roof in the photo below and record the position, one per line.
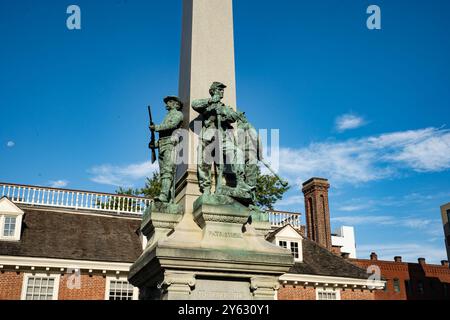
(319, 261)
(65, 235)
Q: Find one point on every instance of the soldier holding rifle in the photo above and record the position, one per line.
(166, 145)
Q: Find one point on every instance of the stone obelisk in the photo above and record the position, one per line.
(213, 252)
(207, 55)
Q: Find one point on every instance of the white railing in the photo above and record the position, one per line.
(280, 219)
(88, 200)
(75, 199)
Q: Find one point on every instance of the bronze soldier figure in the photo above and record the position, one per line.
(217, 135)
(166, 145)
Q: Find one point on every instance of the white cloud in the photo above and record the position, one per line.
(409, 251)
(354, 207)
(360, 220)
(428, 227)
(292, 200)
(10, 144)
(368, 159)
(58, 183)
(123, 176)
(348, 122)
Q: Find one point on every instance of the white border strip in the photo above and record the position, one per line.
(312, 280)
(63, 263)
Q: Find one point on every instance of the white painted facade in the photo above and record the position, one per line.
(8, 210)
(345, 238)
(290, 237)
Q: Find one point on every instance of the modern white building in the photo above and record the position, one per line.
(344, 237)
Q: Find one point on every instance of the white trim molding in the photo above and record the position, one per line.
(320, 281)
(58, 264)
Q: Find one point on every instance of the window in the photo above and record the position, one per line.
(40, 287)
(396, 285)
(408, 286)
(10, 220)
(283, 244)
(9, 226)
(327, 295)
(294, 249)
(420, 289)
(120, 290)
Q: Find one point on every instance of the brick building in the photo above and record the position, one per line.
(404, 281)
(66, 254)
(410, 281)
(78, 245)
(445, 215)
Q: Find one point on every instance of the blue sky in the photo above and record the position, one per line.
(367, 109)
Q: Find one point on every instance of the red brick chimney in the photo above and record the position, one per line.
(398, 259)
(317, 211)
(373, 256)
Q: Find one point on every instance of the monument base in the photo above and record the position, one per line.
(224, 258)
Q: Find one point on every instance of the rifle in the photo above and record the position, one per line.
(152, 140)
(221, 159)
(267, 165)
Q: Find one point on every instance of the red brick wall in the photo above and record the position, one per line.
(317, 212)
(296, 293)
(309, 293)
(349, 294)
(432, 277)
(92, 288)
(10, 285)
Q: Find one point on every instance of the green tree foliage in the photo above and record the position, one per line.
(152, 187)
(268, 191)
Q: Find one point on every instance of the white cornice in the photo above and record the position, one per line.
(27, 262)
(303, 279)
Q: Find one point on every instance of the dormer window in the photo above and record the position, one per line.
(289, 238)
(294, 250)
(10, 220)
(9, 226)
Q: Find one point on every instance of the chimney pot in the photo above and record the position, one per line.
(422, 261)
(373, 256)
(398, 259)
(445, 263)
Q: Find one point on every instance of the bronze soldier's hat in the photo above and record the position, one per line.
(218, 85)
(173, 98)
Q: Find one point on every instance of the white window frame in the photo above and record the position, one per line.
(289, 241)
(298, 249)
(328, 290)
(27, 276)
(14, 212)
(112, 278)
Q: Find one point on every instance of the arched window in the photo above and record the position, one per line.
(311, 217)
(396, 285)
